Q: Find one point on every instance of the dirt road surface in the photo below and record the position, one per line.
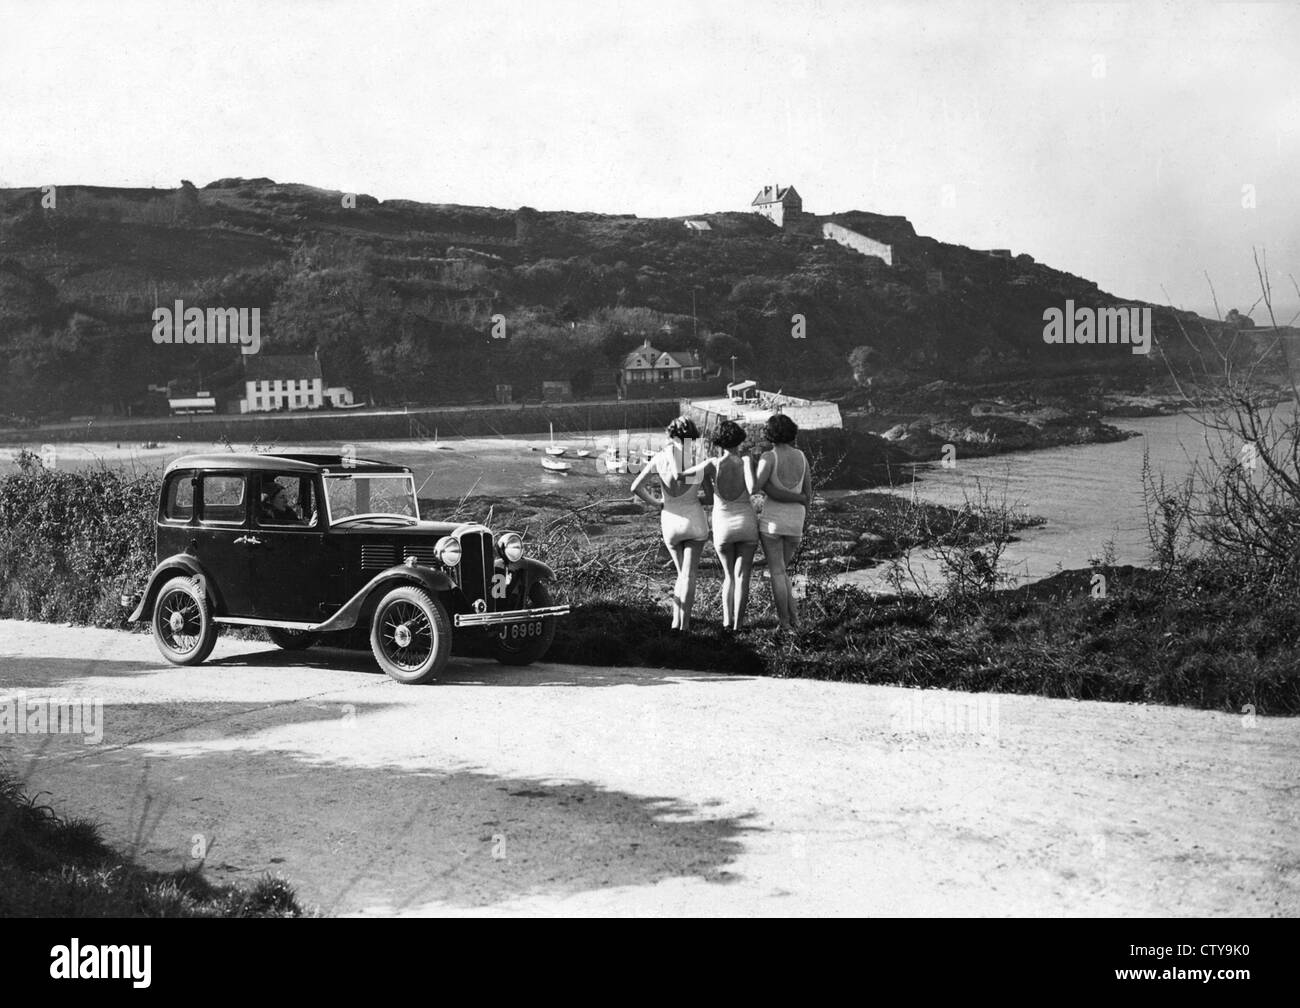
(569, 790)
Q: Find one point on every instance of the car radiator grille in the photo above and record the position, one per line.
(378, 556)
(476, 565)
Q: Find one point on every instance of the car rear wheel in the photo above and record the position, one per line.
(182, 622)
(410, 635)
(525, 643)
(291, 640)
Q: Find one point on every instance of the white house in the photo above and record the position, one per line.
(339, 395)
(281, 381)
(646, 364)
(778, 203)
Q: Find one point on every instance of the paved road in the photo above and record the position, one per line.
(567, 790)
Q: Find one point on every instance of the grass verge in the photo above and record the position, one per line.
(52, 866)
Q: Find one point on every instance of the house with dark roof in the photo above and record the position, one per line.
(778, 203)
(281, 381)
(646, 364)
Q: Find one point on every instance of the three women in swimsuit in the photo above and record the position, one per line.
(730, 479)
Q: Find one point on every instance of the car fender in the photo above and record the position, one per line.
(535, 569)
(348, 615)
(182, 565)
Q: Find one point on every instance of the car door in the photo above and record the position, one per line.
(220, 539)
(293, 577)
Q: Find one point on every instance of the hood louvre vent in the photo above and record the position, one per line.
(378, 556)
(423, 554)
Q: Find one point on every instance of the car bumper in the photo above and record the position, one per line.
(510, 616)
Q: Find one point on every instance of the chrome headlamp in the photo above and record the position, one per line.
(511, 546)
(447, 550)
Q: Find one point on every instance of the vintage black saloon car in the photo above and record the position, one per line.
(313, 545)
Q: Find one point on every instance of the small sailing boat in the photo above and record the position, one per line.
(554, 449)
(555, 465)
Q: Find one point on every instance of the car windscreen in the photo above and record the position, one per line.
(388, 494)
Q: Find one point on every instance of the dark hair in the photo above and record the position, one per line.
(683, 429)
(780, 429)
(729, 434)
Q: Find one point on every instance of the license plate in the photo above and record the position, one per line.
(521, 631)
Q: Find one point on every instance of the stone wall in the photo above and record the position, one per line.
(289, 428)
(858, 242)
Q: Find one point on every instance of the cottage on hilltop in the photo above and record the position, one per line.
(778, 203)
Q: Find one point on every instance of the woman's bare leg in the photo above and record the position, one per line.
(676, 552)
(727, 554)
(740, 580)
(690, 568)
(791, 547)
(774, 551)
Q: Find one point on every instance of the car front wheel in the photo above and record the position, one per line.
(182, 622)
(525, 643)
(410, 635)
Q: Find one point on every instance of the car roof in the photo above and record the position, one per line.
(286, 463)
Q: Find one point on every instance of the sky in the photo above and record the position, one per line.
(1152, 147)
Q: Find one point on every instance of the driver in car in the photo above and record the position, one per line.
(275, 505)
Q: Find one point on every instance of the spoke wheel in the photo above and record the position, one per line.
(410, 635)
(182, 622)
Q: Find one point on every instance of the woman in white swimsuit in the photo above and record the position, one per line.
(735, 526)
(783, 475)
(685, 527)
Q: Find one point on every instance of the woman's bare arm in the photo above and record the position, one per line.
(670, 471)
(707, 480)
(638, 486)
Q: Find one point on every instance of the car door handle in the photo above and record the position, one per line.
(249, 540)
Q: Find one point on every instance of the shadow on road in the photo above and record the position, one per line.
(381, 838)
(38, 671)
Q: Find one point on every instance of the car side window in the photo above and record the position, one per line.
(223, 499)
(178, 501)
(285, 501)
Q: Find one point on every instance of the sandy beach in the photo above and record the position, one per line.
(444, 469)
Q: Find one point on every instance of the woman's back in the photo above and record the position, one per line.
(730, 479)
(788, 467)
(665, 461)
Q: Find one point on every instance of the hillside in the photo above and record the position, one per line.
(398, 298)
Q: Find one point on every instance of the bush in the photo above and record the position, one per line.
(69, 541)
